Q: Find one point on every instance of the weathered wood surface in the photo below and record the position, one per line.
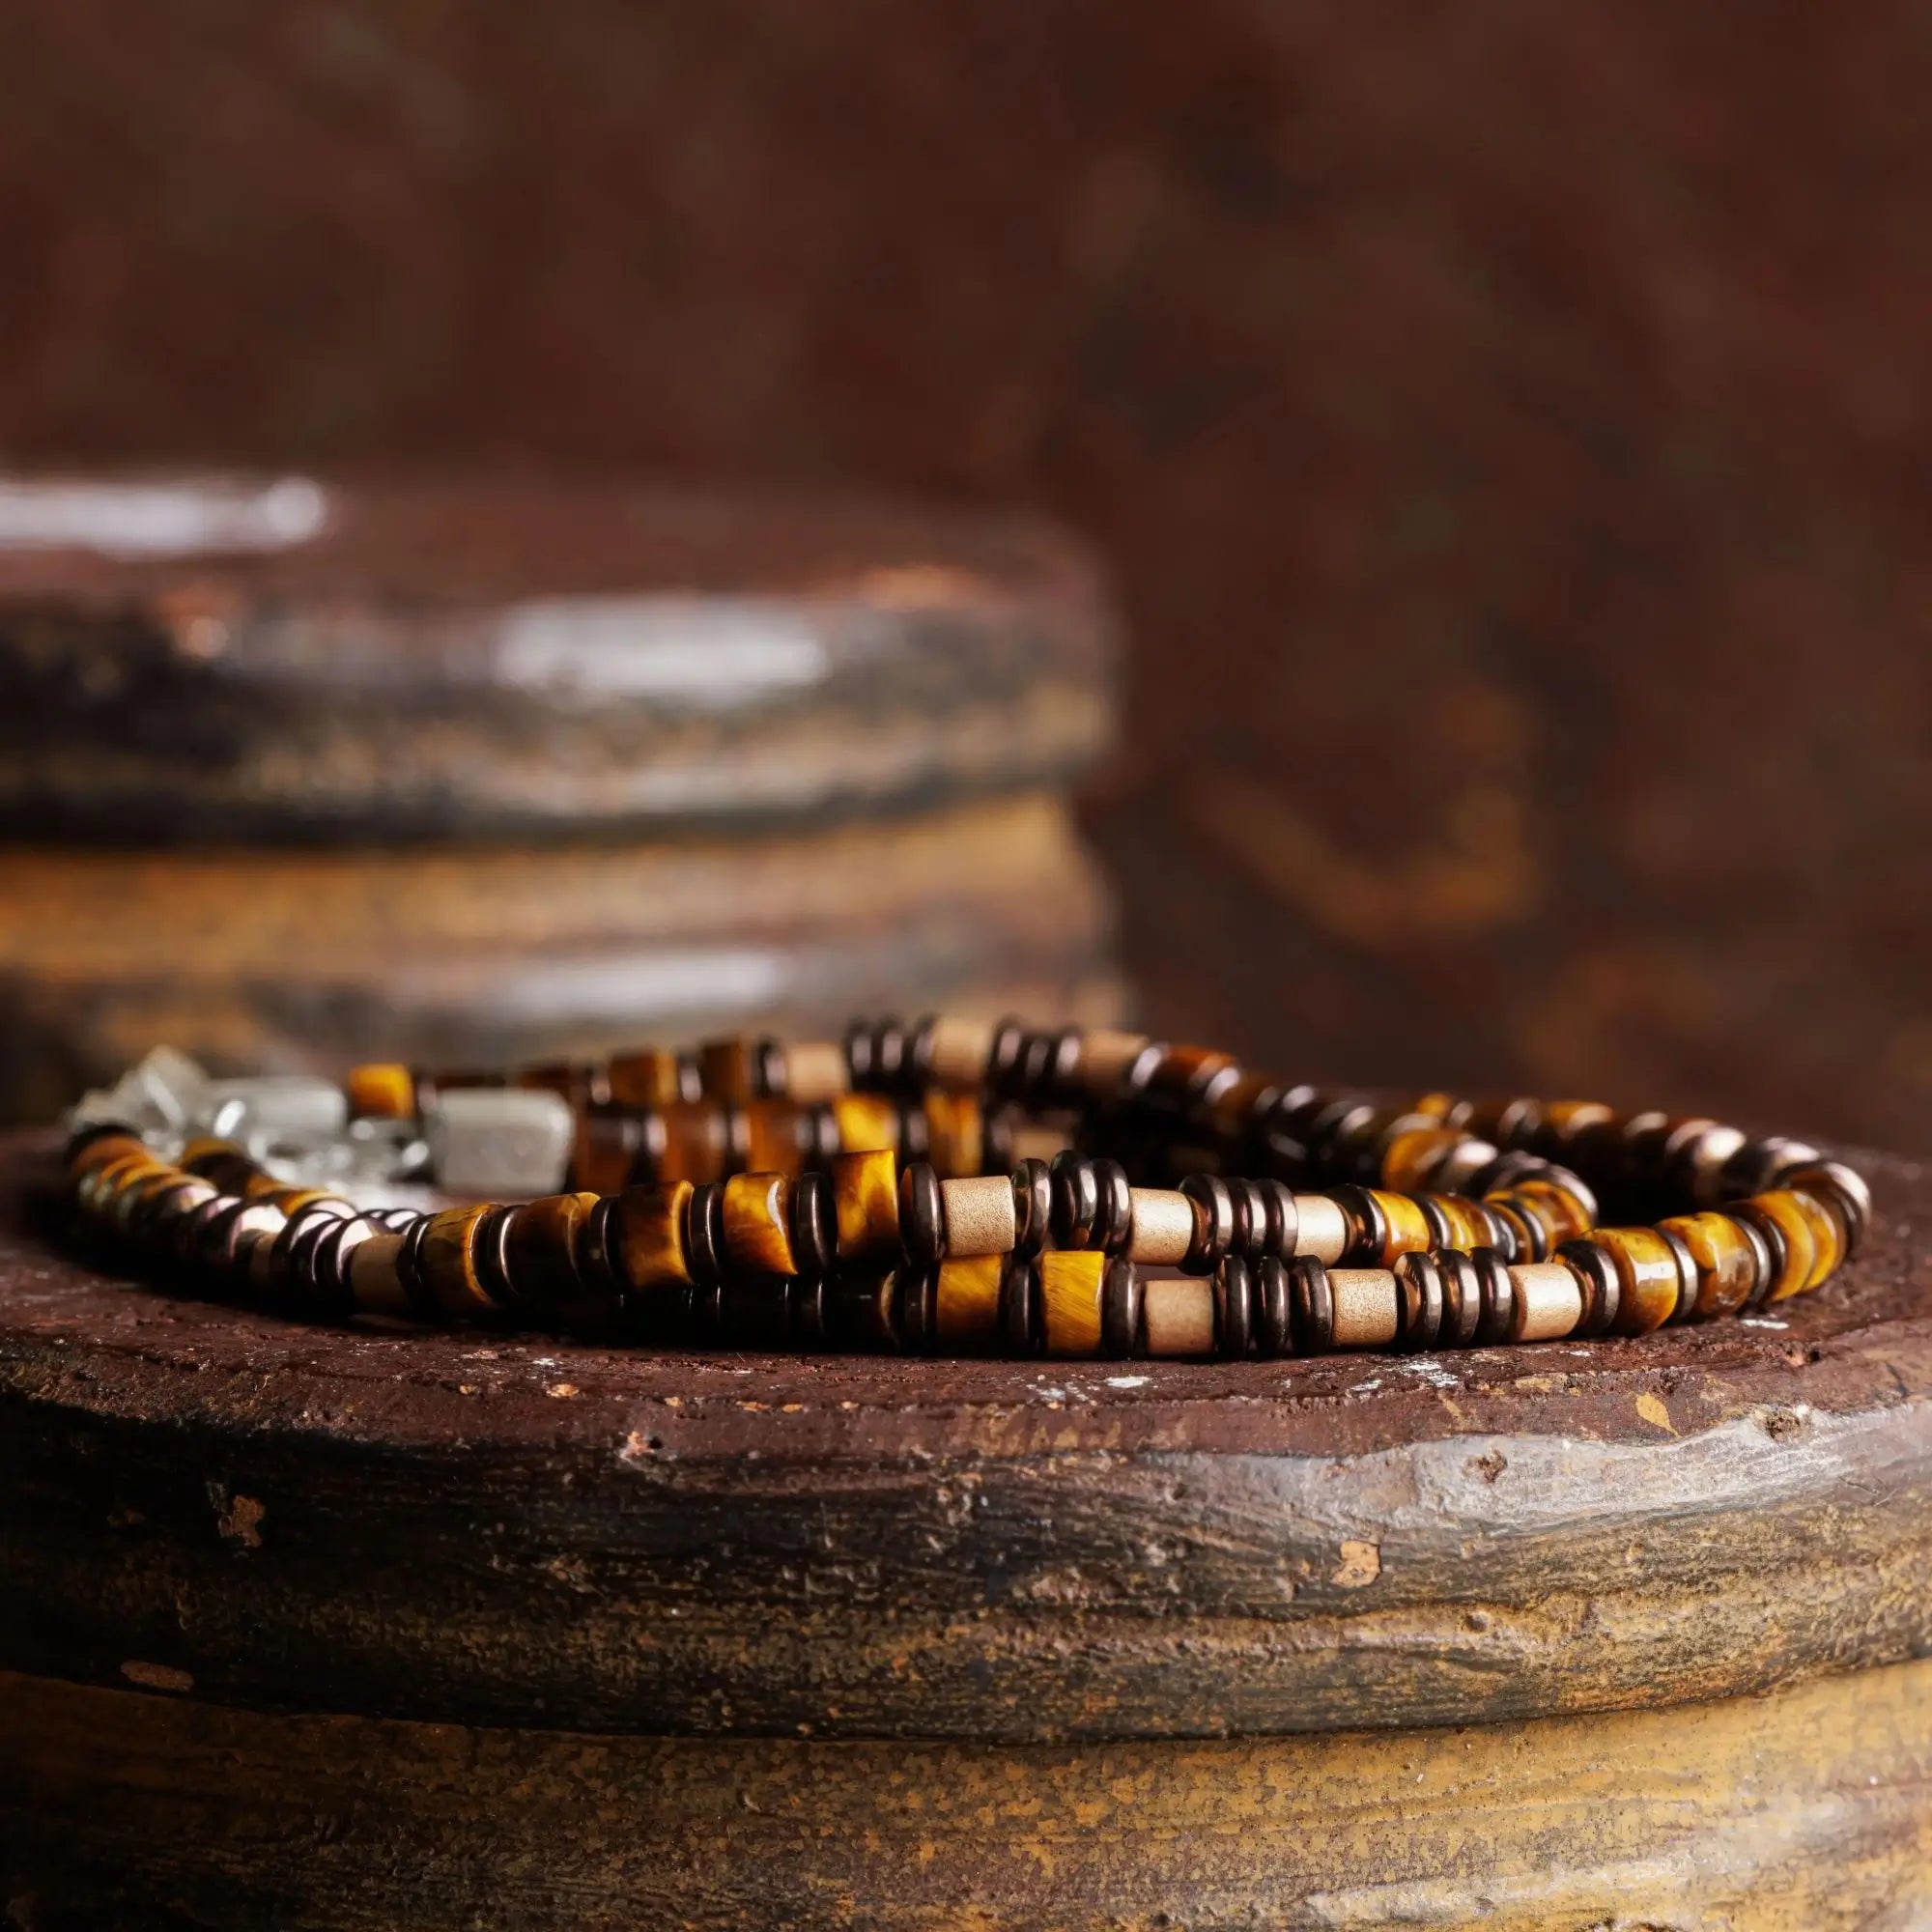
(190, 658)
(1807, 1809)
(305, 959)
(479, 1529)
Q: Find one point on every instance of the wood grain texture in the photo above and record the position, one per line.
(482, 661)
(485, 955)
(852, 1546)
(1807, 1810)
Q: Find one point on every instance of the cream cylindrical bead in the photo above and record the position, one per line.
(960, 1050)
(1548, 1304)
(1163, 1227)
(815, 1073)
(1366, 1304)
(1104, 1059)
(1321, 1228)
(1033, 1140)
(980, 1216)
(374, 1284)
(1180, 1315)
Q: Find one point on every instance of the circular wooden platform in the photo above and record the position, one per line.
(1098, 1636)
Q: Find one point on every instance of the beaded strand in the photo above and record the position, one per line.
(959, 1187)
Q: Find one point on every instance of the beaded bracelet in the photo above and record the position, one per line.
(955, 1186)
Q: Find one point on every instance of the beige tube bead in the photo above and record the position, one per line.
(1162, 1227)
(1365, 1307)
(1548, 1301)
(980, 1216)
(1321, 1228)
(1104, 1059)
(960, 1050)
(1178, 1314)
(815, 1073)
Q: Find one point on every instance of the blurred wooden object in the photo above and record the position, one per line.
(296, 774)
(342, 1627)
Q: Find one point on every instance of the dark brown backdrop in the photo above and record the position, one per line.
(1508, 423)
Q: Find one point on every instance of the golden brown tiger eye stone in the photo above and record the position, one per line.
(375, 1283)
(775, 1137)
(955, 1134)
(697, 1143)
(867, 1123)
(969, 1300)
(109, 1148)
(1726, 1262)
(1647, 1275)
(726, 1071)
(865, 1198)
(1071, 1282)
(1812, 1240)
(448, 1260)
(758, 1224)
(648, 1077)
(1406, 1226)
(1563, 1216)
(540, 1254)
(645, 1242)
(381, 1091)
(1411, 1157)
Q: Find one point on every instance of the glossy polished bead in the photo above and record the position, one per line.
(1410, 1159)
(865, 1193)
(1233, 1307)
(1312, 1306)
(650, 1078)
(1418, 1280)
(1811, 1239)
(644, 1242)
(381, 1091)
(1077, 1200)
(1123, 1308)
(966, 1301)
(1071, 1283)
(955, 1126)
(756, 1215)
(1842, 1189)
(1647, 1276)
(1215, 1228)
(1462, 1299)
(1032, 1206)
(447, 1258)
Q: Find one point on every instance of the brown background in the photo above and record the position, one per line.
(1507, 424)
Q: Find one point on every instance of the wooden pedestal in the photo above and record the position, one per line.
(332, 1628)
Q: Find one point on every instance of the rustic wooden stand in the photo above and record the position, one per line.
(471, 774)
(312, 1628)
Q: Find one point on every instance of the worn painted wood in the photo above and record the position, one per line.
(1807, 1809)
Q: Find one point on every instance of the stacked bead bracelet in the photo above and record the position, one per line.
(964, 1187)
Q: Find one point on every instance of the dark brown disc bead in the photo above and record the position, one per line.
(921, 1216)
(1004, 1058)
(891, 1040)
(1311, 1306)
(862, 1310)
(1020, 1304)
(1368, 1225)
(1272, 1305)
(998, 1125)
(595, 1263)
(1495, 1297)
(414, 1282)
(815, 1225)
(917, 1316)
(1758, 1165)
(1123, 1304)
(1114, 1226)
(920, 1040)
(915, 1135)
(859, 1055)
(604, 1150)
(1213, 1223)
(1033, 1206)
(704, 1234)
(1419, 1297)
(1234, 1307)
(1330, 1133)
(754, 1312)
(1462, 1299)
(810, 1319)
(1077, 1200)
(1601, 1285)
(1525, 1238)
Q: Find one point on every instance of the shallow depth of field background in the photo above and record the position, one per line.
(1507, 424)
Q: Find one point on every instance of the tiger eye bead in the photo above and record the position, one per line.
(644, 1242)
(650, 1078)
(756, 1213)
(865, 1193)
(603, 1148)
(1410, 1159)
(1723, 1260)
(865, 1123)
(1071, 1285)
(540, 1257)
(1842, 1189)
(966, 1301)
(1406, 1227)
(695, 1144)
(955, 1125)
(381, 1091)
(1812, 1240)
(1647, 1276)
(446, 1260)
